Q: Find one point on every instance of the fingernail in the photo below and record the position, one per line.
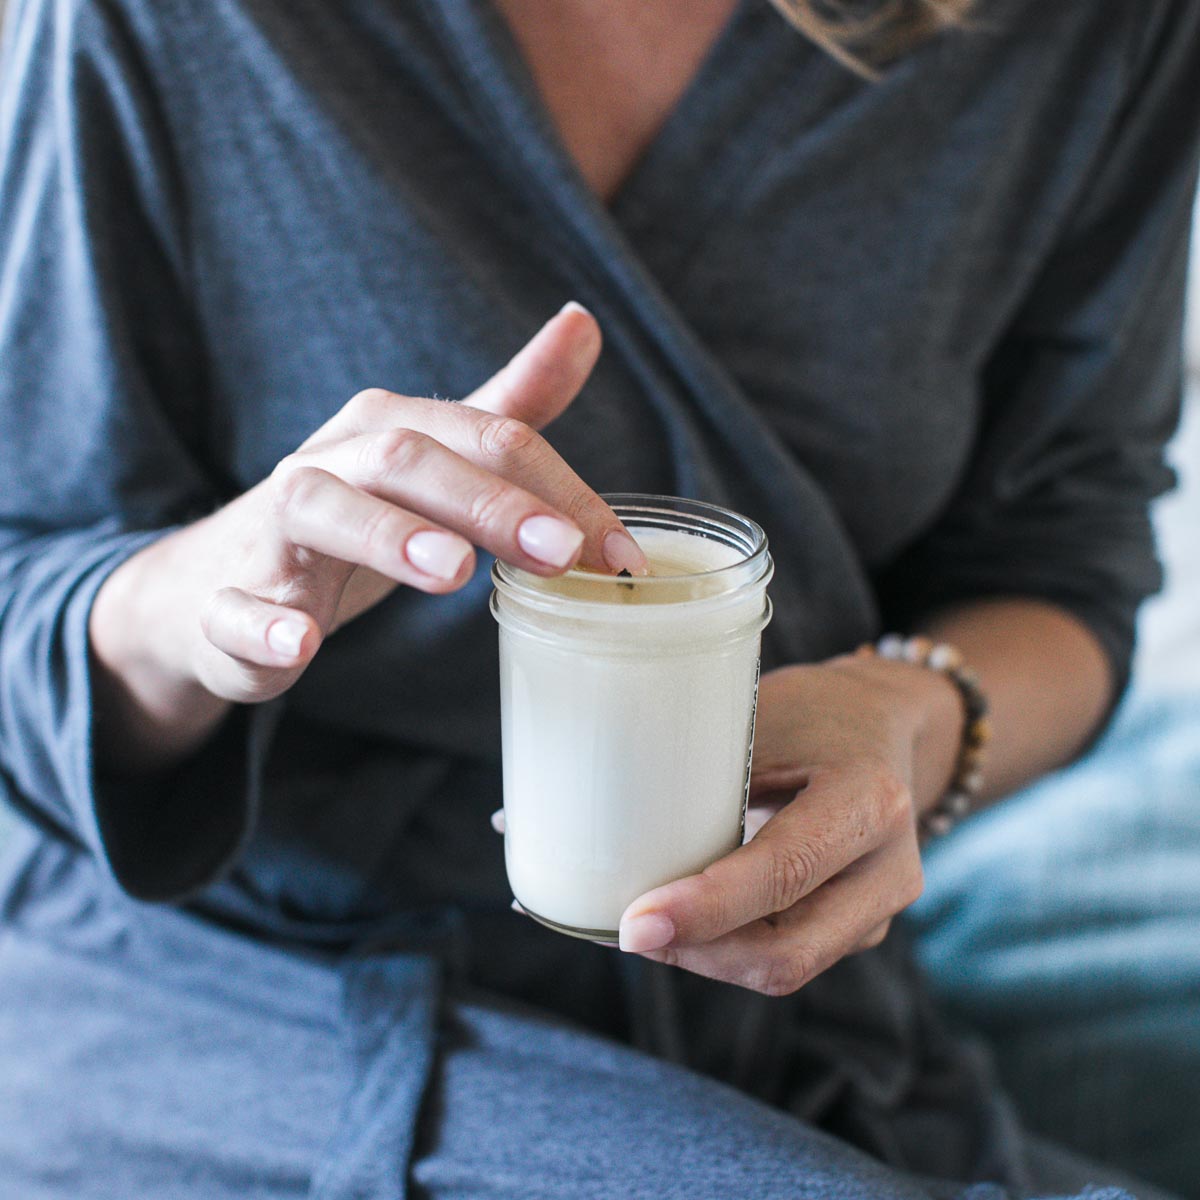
(498, 820)
(756, 818)
(586, 345)
(438, 554)
(650, 931)
(550, 540)
(286, 637)
(516, 907)
(622, 553)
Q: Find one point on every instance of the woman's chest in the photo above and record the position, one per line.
(828, 261)
(609, 72)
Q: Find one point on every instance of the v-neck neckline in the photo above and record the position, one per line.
(526, 147)
(689, 105)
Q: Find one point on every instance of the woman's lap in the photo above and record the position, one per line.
(150, 1055)
(531, 1109)
(1065, 925)
(116, 1089)
(112, 1087)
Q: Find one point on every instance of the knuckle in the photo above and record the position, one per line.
(371, 403)
(286, 465)
(712, 903)
(294, 486)
(395, 452)
(793, 873)
(377, 532)
(877, 936)
(785, 971)
(211, 615)
(893, 798)
(579, 504)
(487, 504)
(504, 438)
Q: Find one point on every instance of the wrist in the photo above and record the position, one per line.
(966, 782)
(939, 738)
(150, 705)
(931, 717)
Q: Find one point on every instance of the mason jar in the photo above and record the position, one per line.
(627, 708)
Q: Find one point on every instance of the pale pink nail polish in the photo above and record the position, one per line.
(585, 348)
(286, 637)
(498, 820)
(550, 540)
(622, 553)
(650, 931)
(438, 554)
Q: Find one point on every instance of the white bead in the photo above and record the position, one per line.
(942, 657)
(972, 782)
(957, 804)
(891, 646)
(938, 824)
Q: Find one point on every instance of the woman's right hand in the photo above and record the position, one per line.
(391, 490)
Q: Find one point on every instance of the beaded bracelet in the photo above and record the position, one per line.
(967, 783)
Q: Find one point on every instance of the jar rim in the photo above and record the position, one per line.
(695, 517)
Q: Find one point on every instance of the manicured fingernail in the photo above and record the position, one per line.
(650, 931)
(438, 554)
(286, 637)
(516, 907)
(756, 818)
(498, 820)
(622, 553)
(550, 540)
(586, 346)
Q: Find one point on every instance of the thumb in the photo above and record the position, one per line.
(548, 373)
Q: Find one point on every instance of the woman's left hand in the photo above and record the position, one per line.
(847, 754)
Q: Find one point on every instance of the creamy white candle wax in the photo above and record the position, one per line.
(628, 713)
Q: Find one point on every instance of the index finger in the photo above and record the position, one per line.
(542, 379)
(837, 819)
(495, 428)
(516, 453)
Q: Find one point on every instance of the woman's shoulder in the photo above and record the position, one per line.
(192, 49)
(77, 30)
(83, 24)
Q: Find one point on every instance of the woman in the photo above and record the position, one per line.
(923, 326)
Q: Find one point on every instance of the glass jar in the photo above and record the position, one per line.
(627, 707)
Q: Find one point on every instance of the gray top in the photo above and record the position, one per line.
(925, 331)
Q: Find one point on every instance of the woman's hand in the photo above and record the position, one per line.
(391, 490)
(847, 753)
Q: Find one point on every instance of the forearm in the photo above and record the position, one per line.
(1048, 682)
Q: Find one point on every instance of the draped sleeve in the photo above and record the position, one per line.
(1083, 391)
(101, 450)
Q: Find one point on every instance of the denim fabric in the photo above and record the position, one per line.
(1065, 925)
